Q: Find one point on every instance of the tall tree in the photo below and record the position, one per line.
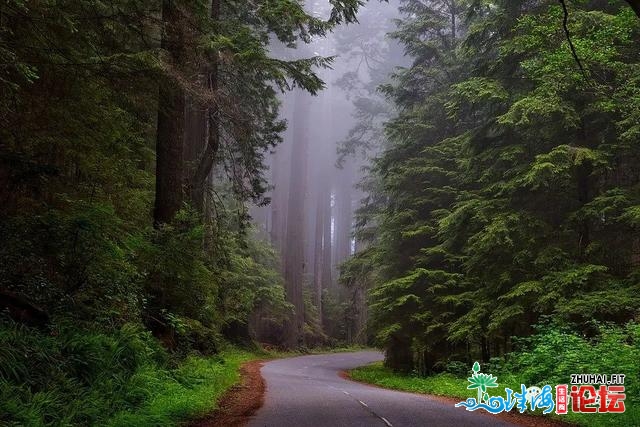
(243, 120)
(294, 259)
(171, 116)
(500, 192)
(344, 212)
(207, 115)
(322, 240)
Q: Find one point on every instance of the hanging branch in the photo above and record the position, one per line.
(565, 26)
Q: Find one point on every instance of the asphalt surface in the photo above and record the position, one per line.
(308, 392)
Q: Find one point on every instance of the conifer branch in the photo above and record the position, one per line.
(565, 26)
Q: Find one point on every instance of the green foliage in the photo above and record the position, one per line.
(179, 280)
(506, 190)
(439, 385)
(190, 391)
(550, 356)
(554, 353)
(78, 121)
(75, 377)
(72, 377)
(80, 256)
(335, 317)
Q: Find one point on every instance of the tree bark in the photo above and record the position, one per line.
(322, 238)
(398, 354)
(171, 119)
(327, 243)
(294, 245)
(280, 170)
(199, 182)
(317, 253)
(344, 213)
(207, 159)
(361, 314)
(195, 141)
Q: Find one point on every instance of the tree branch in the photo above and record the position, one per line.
(565, 26)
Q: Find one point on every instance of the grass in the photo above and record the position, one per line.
(122, 378)
(191, 392)
(440, 385)
(195, 387)
(451, 386)
(339, 349)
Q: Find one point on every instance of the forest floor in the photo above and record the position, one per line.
(239, 402)
(194, 389)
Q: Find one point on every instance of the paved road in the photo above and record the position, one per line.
(308, 392)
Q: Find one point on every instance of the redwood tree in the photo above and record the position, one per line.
(171, 118)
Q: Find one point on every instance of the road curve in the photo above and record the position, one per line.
(307, 391)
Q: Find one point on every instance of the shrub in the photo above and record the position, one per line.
(554, 353)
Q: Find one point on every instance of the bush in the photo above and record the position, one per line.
(552, 355)
(72, 376)
(459, 369)
(76, 262)
(193, 335)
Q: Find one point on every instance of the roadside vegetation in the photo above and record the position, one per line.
(136, 137)
(124, 378)
(549, 357)
(130, 154)
(506, 192)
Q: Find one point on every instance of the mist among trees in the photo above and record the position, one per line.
(447, 180)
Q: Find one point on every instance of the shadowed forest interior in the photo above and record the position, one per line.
(185, 183)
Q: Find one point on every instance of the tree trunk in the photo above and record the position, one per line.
(344, 213)
(294, 245)
(327, 242)
(360, 303)
(317, 252)
(171, 118)
(486, 352)
(195, 141)
(398, 355)
(212, 126)
(280, 169)
(322, 239)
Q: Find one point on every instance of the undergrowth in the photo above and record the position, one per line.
(549, 357)
(124, 378)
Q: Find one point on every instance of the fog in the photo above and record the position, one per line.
(330, 140)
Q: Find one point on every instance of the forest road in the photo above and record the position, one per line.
(308, 391)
